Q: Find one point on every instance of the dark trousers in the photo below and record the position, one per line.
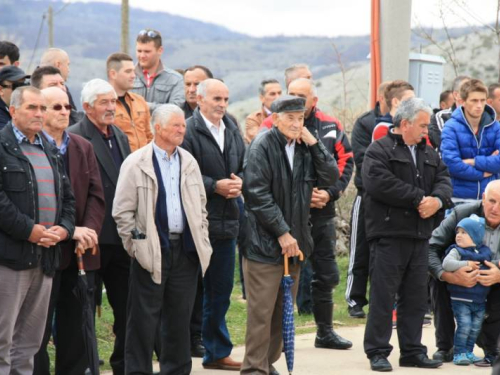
(70, 349)
(218, 285)
(114, 272)
(168, 305)
(197, 315)
(325, 274)
(444, 323)
(397, 266)
(359, 256)
(320, 273)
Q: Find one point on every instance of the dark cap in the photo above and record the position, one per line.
(12, 73)
(288, 103)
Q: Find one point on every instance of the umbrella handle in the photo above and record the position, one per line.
(301, 257)
(79, 261)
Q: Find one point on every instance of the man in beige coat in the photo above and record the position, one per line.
(159, 209)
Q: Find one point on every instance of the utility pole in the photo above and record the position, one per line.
(125, 13)
(50, 22)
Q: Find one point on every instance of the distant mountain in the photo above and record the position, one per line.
(91, 31)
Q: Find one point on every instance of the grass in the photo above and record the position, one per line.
(236, 317)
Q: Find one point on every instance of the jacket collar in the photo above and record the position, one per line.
(140, 72)
(398, 139)
(146, 161)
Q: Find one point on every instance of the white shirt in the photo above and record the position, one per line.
(170, 169)
(290, 152)
(217, 132)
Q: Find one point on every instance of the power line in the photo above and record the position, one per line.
(37, 41)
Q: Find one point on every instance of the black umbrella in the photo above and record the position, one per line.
(85, 296)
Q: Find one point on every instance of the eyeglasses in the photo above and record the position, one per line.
(59, 107)
(150, 33)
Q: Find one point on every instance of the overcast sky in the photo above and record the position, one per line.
(319, 17)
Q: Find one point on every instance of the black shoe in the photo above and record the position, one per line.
(443, 355)
(419, 360)
(356, 311)
(380, 363)
(197, 348)
(331, 341)
(273, 371)
(487, 361)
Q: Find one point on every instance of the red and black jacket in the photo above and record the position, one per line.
(330, 132)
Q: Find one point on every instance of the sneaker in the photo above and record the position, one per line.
(461, 359)
(473, 358)
(356, 311)
(394, 319)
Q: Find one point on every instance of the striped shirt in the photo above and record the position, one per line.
(170, 168)
(47, 200)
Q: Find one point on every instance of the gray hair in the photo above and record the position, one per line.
(290, 71)
(310, 82)
(457, 82)
(163, 113)
(95, 87)
(17, 97)
(202, 87)
(409, 109)
(264, 83)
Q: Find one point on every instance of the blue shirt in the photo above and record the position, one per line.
(171, 173)
(64, 145)
(22, 138)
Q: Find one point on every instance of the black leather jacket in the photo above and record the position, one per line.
(394, 187)
(19, 205)
(276, 199)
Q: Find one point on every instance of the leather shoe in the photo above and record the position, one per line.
(443, 355)
(419, 360)
(273, 371)
(197, 348)
(332, 341)
(226, 363)
(380, 363)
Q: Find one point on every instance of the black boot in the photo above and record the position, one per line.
(326, 336)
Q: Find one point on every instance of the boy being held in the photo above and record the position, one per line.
(468, 304)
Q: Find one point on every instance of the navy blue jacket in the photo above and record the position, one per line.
(478, 292)
(459, 142)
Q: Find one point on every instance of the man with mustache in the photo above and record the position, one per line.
(111, 148)
(38, 212)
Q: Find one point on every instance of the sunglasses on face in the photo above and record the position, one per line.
(150, 33)
(59, 107)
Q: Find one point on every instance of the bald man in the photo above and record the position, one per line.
(442, 238)
(81, 166)
(215, 142)
(59, 59)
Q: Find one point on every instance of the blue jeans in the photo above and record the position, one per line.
(469, 317)
(218, 285)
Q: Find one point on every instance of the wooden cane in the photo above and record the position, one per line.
(301, 258)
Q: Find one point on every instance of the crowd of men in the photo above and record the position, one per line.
(157, 185)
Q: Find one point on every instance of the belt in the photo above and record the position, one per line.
(174, 236)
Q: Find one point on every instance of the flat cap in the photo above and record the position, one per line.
(288, 103)
(12, 73)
